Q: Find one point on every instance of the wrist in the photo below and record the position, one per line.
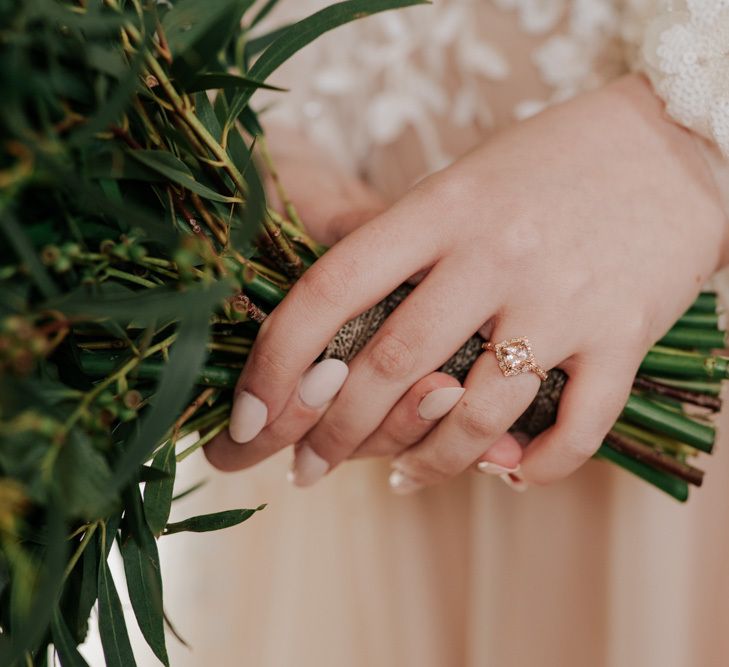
(704, 171)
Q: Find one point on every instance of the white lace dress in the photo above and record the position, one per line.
(599, 570)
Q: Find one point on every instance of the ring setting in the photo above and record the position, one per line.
(515, 356)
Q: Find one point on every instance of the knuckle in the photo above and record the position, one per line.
(435, 468)
(391, 357)
(328, 284)
(475, 420)
(268, 363)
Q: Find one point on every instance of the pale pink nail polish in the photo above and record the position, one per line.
(247, 418)
(514, 481)
(495, 468)
(439, 402)
(308, 468)
(401, 484)
(322, 381)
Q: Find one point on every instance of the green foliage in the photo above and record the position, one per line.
(139, 258)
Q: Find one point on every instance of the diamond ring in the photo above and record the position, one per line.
(515, 356)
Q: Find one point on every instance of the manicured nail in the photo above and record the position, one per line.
(439, 402)
(322, 381)
(308, 468)
(401, 484)
(247, 418)
(495, 468)
(514, 481)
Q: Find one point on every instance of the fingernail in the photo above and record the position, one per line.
(495, 468)
(401, 484)
(247, 418)
(514, 481)
(439, 402)
(308, 468)
(322, 381)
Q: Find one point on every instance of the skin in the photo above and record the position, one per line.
(589, 228)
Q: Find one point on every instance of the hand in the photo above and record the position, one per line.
(590, 229)
(333, 203)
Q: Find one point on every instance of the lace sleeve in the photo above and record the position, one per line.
(684, 50)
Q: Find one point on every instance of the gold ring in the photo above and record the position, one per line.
(515, 356)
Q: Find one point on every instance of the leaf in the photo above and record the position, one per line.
(186, 359)
(112, 627)
(154, 305)
(306, 31)
(84, 479)
(262, 13)
(196, 31)
(142, 570)
(26, 253)
(64, 643)
(207, 522)
(176, 170)
(89, 585)
(217, 80)
(189, 490)
(158, 494)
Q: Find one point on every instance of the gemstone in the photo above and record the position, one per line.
(516, 355)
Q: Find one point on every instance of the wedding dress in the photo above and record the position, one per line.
(600, 570)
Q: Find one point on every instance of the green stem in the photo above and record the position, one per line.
(674, 363)
(699, 320)
(151, 369)
(706, 302)
(202, 441)
(79, 551)
(663, 481)
(657, 418)
(691, 338)
(129, 277)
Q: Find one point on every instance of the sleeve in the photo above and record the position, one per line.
(683, 48)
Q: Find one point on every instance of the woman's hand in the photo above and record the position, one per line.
(589, 229)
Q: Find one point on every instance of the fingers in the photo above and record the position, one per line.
(417, 412)
(355, 274)
(305, 407)
(591, 403)
(490, 405)
(418, 337)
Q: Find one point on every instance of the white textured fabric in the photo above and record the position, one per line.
(414, 70)
(686, 54)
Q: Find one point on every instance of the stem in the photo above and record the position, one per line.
(706, 302)
(692, 338)
(202, 441)
(210, 376)
(655, 458)
(662, 420)
(292, 261)
(661, 360)
(683, 395)
(129, 277)
(280, 190)
(130, 365)
(81, 547)
(671, 485)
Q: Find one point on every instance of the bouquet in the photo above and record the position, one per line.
(140, 258)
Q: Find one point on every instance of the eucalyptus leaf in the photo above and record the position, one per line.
(209, 522)
(112, 626)
(176, 171)
(186, 360)
(298, 35)
(158, 494)
(144, 582)
(64, 643)
(225, 81)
